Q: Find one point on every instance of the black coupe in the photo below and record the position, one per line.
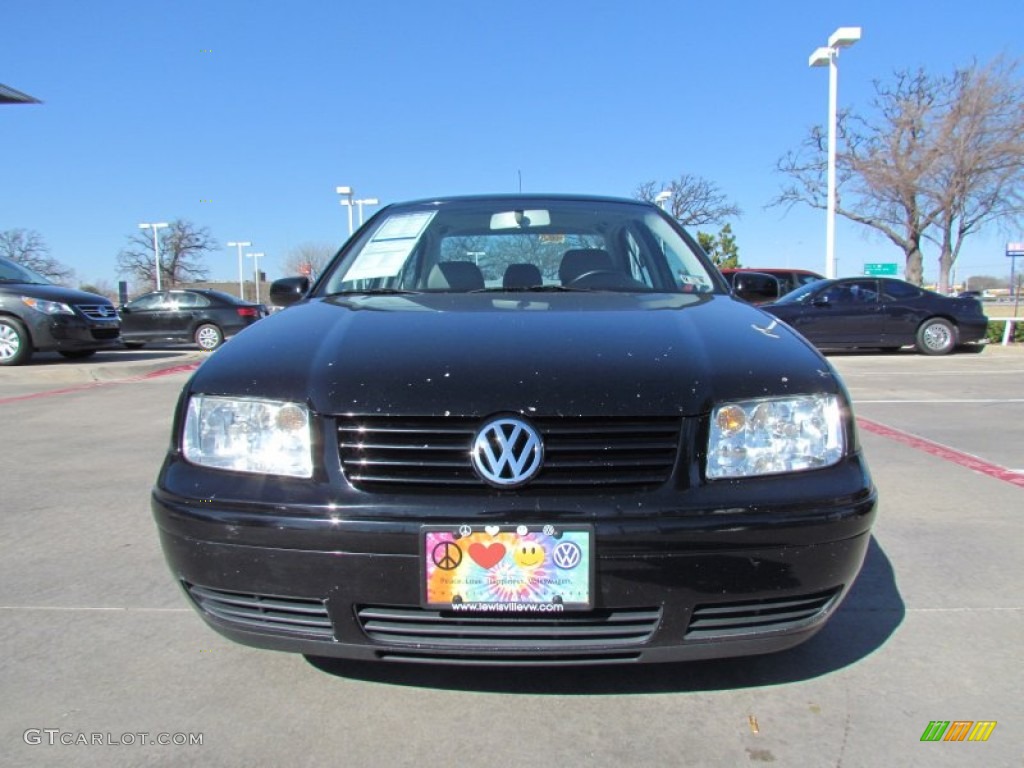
(881, 312)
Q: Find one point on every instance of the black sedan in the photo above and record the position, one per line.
(881, 312)
(199, 315)
(38, 316)
(515, 430)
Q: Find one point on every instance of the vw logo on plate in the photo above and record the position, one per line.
(507, 452)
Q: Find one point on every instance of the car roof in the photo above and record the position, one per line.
(522, 197)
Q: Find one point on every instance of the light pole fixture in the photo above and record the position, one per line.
(365, 201)
(156, 245)
(843, 37)
(663, 197)
(241, 280)
(346, 192)
(256, 270)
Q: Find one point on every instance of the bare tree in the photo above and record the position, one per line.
(308, 259)
(27, 247)
(101, 287)
(693, 201)
(980, 178)
(183, 246)
(939, 158)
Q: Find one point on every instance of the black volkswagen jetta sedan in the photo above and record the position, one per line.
(516, 430)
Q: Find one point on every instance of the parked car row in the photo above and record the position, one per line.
(39, 316)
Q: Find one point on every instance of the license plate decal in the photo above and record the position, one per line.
(508, 568)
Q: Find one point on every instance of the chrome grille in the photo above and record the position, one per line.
(306, 617)
(98, 311)
(406, 453)
(723, 620)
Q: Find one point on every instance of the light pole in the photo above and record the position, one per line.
(256, 270)
(662, 198)
(156, 245)
(843, 37)
(361, 203)
(241, 281)
(347, 193)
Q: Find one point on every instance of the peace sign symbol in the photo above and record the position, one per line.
(446, 555)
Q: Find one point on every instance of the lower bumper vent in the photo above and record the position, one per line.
(565, 635)
(725, 620)
(296, 616)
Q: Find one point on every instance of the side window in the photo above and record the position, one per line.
(854, 292)
(897, 291)
(149, 301)
(186, 300)
(864, 291)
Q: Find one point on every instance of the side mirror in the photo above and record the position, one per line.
(756, 287)
(288, 290)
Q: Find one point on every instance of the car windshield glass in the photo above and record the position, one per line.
(12, 272)
(520, 244)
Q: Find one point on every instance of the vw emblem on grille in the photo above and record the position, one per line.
(507, 452)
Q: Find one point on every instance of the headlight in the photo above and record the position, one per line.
(47, 307)
(265, 436)
(772, 436)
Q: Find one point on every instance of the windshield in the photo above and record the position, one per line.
(11, 272)
(520, 244)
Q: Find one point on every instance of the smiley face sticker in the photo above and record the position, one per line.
(529, 554)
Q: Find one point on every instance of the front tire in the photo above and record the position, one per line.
(936, 337)
(208, 337)
(15, 344)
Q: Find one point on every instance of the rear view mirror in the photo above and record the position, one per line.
(520, 219)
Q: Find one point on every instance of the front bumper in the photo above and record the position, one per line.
(671, 583)
(70, 333)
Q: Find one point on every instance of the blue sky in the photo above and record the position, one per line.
(244, 115)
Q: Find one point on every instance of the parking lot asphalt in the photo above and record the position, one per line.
(98, 645)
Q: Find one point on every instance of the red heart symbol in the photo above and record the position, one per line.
(486, 556)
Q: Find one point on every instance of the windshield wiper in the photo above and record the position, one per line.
(374, 292)
(534, 289)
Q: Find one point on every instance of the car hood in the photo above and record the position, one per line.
(538, 354)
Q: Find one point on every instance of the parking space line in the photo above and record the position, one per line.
(972, 373)
(96, 384)
(935, 401)
(942, 451)
(91, 608)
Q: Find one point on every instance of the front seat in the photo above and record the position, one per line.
(522, 276)
(456, 276)
(579, 261)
